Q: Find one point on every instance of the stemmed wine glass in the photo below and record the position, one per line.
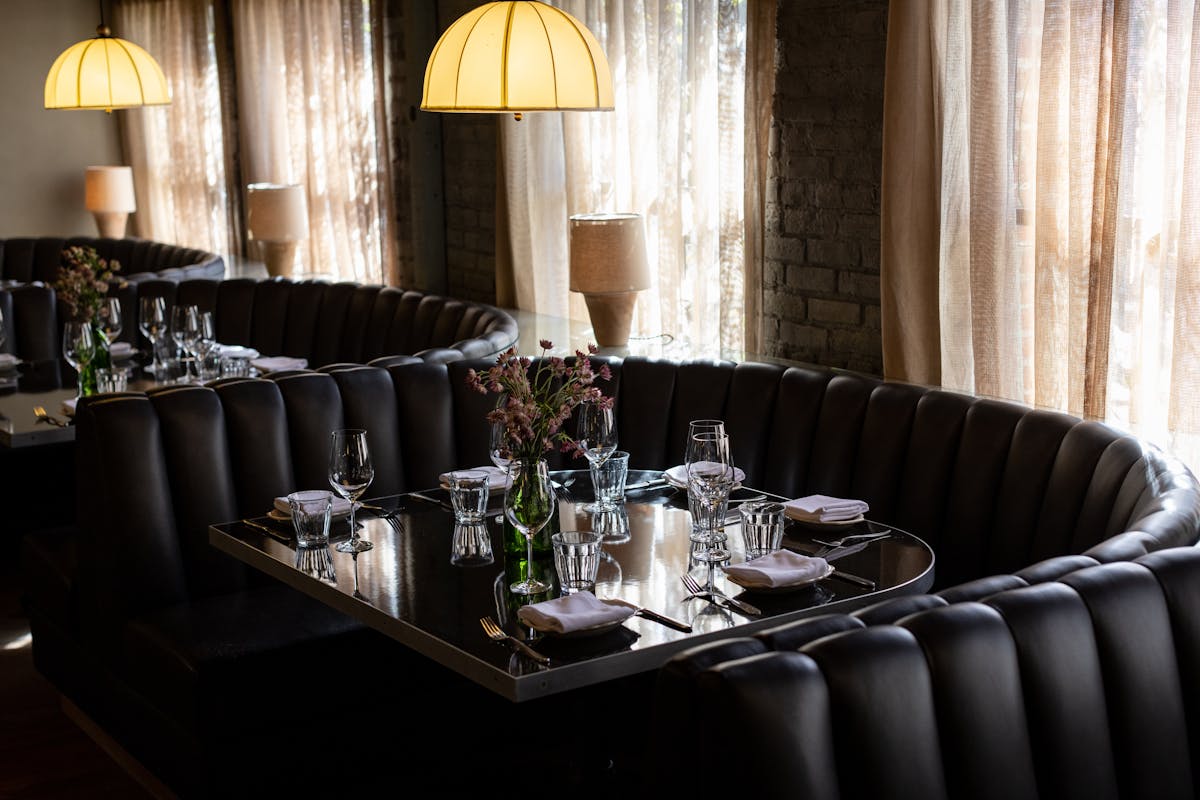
(110, 318)
(350, 473)
(528, 505)
(596, 432)
(711, 477)
(496, 446)
(185, 330)
(152, 319)
(78, 347)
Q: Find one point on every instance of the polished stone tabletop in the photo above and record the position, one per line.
(408, 588)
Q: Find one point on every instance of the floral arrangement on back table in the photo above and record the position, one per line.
(83, 281)
(534, 408)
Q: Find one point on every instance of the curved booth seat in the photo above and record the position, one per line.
(1080, 687)
(145, 626)
(29, 266)
(328, 323)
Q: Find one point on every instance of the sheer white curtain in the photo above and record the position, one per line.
(177, 152)
(309, 75)
(1055, 256)
(671, 151)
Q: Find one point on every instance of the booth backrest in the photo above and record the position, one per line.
(37, 259)
(328, 323)
(1080, 688)
(35, 320)
(158, 469)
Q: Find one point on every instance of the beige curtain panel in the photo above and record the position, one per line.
(672, 150)
(1041, 204)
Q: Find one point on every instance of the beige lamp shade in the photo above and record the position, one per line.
(105, 72)
(109, 189)
(517, 55)
(277, 216)
(608, 265)
(276, 212)
(608, 253)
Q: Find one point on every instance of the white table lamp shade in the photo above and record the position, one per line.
(608, 253)
(109, 189)
(276, 212)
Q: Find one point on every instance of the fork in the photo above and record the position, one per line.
(497, 634)
(42, 416)
(712, 596)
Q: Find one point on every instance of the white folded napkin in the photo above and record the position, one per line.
(574, 612)
(781, 568)
(8, 361)
(120, 350)
(497, 478)
(237, 351)
(822, 508)
(68, 406)
(677, 476)
(278, 363)
(339, 508)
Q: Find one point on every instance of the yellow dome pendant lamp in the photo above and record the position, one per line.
(105, 72)
(516, 56)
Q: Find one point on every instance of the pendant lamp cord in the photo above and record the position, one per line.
(101, 4)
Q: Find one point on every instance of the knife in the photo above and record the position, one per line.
(269, 531)
(435, 501)
(651, 484)
(663, 619)
(846, 576)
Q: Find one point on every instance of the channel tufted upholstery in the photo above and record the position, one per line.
(1078, 688)
(137, 606)
(340, 322)
(35, 328)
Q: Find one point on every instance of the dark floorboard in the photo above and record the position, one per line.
(43, 754)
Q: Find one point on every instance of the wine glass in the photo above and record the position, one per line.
(185, 324)
(710, 470)
(496, 447)
(78, 348)
(152, 319)
(528, 505)
(350, 473)
(110, 318)
(596, 433)
(206, 347)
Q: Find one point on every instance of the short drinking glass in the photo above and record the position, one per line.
(608, 482)
(311, 511)
(576, 559)
(762, 528)
(469, 495)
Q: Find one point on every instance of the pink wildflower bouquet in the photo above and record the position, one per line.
(83, 281)
(534, 408)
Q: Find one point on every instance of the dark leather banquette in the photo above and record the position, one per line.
(151, 631)
(328, 323)
(31, 316)
(1083, 688)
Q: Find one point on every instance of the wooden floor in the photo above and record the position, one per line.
(43, 754)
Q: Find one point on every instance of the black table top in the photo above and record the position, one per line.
(407, 587)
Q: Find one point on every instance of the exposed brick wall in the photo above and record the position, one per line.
(469, 142)
(821, 277)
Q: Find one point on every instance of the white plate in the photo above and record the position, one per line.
(677, 476)
(813, 524)
(279, 516)
(791, 587)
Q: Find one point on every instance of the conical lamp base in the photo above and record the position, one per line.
(612, 314)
